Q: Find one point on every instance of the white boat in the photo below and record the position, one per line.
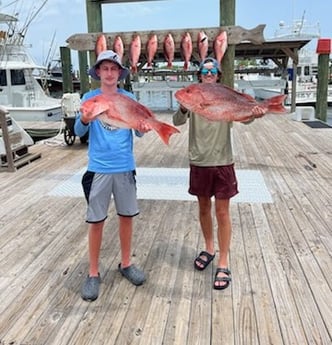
(261, 86)
(306, 86)
(20, 93)
(266, 86)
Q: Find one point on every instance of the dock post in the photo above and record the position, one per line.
(67, 85)
(84, 66)
(95, 24)
(324, 48)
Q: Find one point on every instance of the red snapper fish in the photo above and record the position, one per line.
(186, 49)
(101, 44)
(134, 52)
(220, 44)
(124, 112)
(151, 49)
(169, 49)
(202, 45)
(217, 102)
(118, 46)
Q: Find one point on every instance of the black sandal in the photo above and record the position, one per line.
(204, 263)
(226, 280)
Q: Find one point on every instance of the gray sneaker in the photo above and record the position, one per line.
(90, 288)
(133, 274)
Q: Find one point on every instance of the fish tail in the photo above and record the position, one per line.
(165, 131)
(276, 104)
(169, 64)
(185, 66)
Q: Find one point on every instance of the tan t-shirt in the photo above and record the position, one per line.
(209, 142)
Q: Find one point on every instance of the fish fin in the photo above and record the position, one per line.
(165, 131)
(276, 104)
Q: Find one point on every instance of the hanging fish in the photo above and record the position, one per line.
(134, 52)
(202, 45)
(151, 49)
(101, 44)
(169, 49)
(118, 46)
(220, 45)
(186, 49)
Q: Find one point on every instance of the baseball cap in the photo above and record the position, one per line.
(214, 62)
(108, 55)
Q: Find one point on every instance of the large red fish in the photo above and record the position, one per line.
(169, 49)
(134, 52)
(151, 49)
(118, 46)
(124, 112)
(101, 44)
(186, 49)
(220, 45)
(202, 45)
(217, 102)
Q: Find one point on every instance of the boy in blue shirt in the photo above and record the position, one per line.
(110, 172)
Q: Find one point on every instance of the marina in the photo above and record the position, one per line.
(281, 249)
(280, 253)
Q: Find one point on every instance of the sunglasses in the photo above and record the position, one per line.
(213, 71)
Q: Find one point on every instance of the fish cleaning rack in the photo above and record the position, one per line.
(235, 35)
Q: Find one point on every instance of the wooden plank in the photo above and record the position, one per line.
(280, 253)
(236, 35)
(177, 327)
(305, 301)
(6, 140)
(244, 315)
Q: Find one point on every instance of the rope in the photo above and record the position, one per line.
(58, 139)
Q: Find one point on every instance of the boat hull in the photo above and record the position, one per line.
(36, 113)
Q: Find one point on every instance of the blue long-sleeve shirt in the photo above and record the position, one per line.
(110, 149)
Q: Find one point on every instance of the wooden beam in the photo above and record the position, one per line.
(293, 54)
(227, 17)
(236, 35)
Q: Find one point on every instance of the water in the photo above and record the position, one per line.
(329, 116)
(157, 100)
(159, 95)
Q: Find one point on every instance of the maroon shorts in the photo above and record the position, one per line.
(219, 181)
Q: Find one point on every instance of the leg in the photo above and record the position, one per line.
(131, 272)
(224, 234)
(95, 238)
(90, 287)
(125, 234)
(205, 218)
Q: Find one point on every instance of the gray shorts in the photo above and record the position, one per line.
(99, 188)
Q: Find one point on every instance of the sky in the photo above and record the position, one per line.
(57, 20)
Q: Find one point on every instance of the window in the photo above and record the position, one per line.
(3, 77)
(17, 77)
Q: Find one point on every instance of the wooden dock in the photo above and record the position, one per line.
(280, 253)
